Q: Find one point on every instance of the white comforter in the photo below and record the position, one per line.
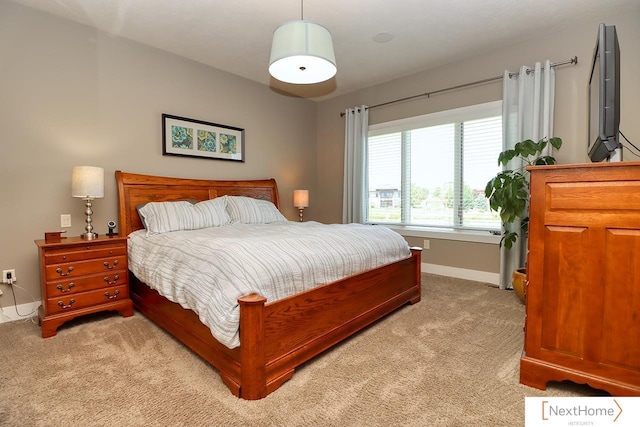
(207, 270)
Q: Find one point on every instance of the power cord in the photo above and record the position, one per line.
(12, 284)
(630, 143)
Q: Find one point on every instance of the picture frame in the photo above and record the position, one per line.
(186, 137)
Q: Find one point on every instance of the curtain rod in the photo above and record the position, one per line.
(573, 61)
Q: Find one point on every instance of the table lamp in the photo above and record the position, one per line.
(301, 200)
(87, 183)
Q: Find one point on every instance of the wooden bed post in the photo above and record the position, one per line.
(417, 254)
(253, 372)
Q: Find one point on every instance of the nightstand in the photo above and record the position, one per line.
(80, 277)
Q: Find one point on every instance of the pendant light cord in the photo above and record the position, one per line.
(302, 10)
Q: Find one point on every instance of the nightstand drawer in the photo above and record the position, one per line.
(81, 253)
(87, 299)
(70, 286)
(79, 268)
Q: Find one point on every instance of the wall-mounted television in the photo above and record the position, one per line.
(604, 95)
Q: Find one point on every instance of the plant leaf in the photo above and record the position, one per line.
(545, 160)
(508, 239)
(555, 142)
(506, 156)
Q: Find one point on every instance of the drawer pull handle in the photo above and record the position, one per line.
(71, 285)
(113, 282)
(59, 271)
(64, 307)
(106, 264)
(114, 296)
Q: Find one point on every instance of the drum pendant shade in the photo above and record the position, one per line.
(302, 53)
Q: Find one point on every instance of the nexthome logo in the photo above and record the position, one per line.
(582, 411)
(586, 410)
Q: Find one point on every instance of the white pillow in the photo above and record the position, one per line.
(163, 217)
(252, 211)
(213, 212)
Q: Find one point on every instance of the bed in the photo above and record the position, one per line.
(277, 336)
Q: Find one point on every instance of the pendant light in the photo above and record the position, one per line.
(302, 52)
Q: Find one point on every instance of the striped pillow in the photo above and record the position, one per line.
(247, 210)
(163, 217)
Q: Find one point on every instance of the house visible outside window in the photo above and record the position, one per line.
(431, 170)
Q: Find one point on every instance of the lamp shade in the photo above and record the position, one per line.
(302, 53)
(301, 198)
(87, 182)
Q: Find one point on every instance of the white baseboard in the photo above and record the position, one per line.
(8, 313)
(461, 273)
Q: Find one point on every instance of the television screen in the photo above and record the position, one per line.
(604, 95)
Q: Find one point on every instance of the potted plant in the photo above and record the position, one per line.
(508, 191)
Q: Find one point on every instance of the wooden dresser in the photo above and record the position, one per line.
(583, 293)
(81, 276)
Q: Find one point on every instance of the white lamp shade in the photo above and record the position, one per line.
(87, 182)
(302, 53)
(301, 198)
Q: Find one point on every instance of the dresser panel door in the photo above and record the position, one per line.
(564, 315)
(621, 299)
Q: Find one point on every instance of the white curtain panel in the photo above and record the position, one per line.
(355, 192)
(527, 113)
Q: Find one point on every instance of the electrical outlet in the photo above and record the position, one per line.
(65, 220)
(426, 244)
(5, 276)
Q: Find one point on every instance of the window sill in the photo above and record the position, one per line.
(447, 234)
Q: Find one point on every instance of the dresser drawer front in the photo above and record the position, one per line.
(81, 253)
(70, 286)
(71, 270)
(86, 299)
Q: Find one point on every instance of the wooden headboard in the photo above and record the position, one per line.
(135, 189)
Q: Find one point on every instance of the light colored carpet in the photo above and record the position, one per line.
(450, 360)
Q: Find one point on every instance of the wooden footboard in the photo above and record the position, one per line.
(277, 337)
(301, 326)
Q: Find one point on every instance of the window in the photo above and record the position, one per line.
(432, 170)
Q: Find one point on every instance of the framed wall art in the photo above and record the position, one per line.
(196, 138)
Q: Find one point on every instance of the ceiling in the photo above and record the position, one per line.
(235, 36)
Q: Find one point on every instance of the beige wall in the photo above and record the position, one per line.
(70, 95)
(570, 111)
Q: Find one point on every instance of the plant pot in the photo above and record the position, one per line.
(519, 281)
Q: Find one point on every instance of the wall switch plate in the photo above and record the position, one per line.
(65, 220)
(5, 273)
(426, 244)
